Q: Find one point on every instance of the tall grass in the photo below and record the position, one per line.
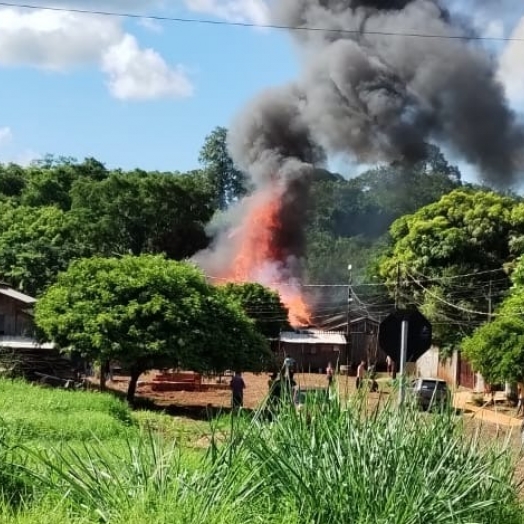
(332, 464)
(389, 466)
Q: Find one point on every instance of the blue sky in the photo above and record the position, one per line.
(139, 94)
(67, 108)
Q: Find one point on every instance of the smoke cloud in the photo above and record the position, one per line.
(375, 96)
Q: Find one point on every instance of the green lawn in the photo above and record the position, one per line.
(80, 457)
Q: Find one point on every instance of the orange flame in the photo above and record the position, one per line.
(255, 257)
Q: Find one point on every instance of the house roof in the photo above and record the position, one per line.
(16, 295)
(313, 336)
(23, 343)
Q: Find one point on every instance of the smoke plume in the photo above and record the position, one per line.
(373, 95)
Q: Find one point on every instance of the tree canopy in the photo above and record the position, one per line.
(262, 305)
(451, 258)
(496, 349)
(148, 312)
(144, 213)
(36, 243)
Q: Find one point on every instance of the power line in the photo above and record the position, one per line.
(279, 27)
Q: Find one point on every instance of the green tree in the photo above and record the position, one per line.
(12, 180)
(228, 183)
(144, 213)
(35, 245)
(148, 312)
(261, 304)
(496, 349)
(49, 181)
(451, 258)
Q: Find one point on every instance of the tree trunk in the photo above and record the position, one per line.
(104, 370)
(131, 390)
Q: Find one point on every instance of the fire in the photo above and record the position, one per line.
(255, 258)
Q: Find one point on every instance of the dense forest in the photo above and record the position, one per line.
(414, 234)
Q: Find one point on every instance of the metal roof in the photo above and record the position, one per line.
(23, 343)
(21, 297)
(313, 336)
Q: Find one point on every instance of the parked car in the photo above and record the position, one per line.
(431, 392)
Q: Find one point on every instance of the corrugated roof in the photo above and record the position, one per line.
(313, 336)
(21, 297)
(23, 343)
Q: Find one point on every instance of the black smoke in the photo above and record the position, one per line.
(374, 95)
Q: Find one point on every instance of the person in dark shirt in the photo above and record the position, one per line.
(237, 386)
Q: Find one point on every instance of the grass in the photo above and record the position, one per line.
(75, 457)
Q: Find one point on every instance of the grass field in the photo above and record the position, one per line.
(81, 457)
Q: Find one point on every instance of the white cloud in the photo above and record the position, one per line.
(59, 41)
(141, 74)
(511, 66)
(252, 11)
(53, 40)
(6, 135)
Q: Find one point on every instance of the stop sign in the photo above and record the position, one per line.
(419, 334)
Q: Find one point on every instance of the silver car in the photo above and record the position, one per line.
(431, 392)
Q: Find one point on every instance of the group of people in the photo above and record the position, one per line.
(282, 383)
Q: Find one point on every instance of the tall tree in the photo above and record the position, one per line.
(148, 312)
(228, 182)
(35, 245)
(451, 257)
(496, 349)
(144, 213)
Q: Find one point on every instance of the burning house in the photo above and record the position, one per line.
(366, 92)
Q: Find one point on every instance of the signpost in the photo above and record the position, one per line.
(405, 336)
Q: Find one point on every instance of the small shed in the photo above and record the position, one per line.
(314, 349)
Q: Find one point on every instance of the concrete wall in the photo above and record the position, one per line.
(452, 370)
(427, 364)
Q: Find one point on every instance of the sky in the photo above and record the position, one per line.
(143, 93)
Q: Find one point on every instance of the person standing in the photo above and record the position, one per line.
(520, 402)
(237, 386)
(389, 364)
(329, 374)
(361, 373)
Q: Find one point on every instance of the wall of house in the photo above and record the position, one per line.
(13, 321)
(455, 370)
(427, 364)
(314, 358)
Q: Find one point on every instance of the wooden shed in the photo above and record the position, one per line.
(314, 349)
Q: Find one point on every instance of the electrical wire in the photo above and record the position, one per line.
(280, 27)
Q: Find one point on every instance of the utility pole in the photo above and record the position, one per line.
(403, 352)
(490, 302)
(397, 287)
(349, 347)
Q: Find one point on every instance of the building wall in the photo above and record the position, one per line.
(314, 358)
(427, 364)
(364, 344)
(455, 370)
(13, 321)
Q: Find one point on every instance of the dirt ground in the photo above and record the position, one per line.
(256, 390)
